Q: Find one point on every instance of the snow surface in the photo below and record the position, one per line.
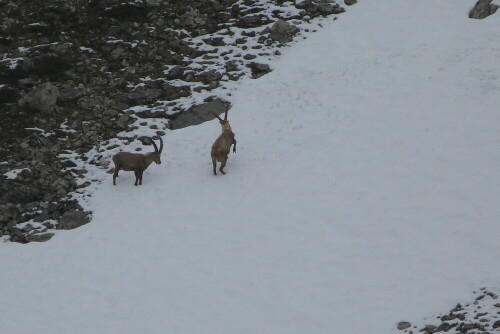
(364, 191)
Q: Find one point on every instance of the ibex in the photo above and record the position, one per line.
(136, 162)
(222, 145)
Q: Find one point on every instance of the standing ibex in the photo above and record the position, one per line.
(136, 162)
(222, 145)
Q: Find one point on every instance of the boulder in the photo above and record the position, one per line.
(258, 69)
(39, 237)
(328, 7)
(42, 98)
(350, 2)
(176, 72)
(283, 31)
(403, 325)
(209, 76)
(482, 9)
(200, 113)
(72, 219)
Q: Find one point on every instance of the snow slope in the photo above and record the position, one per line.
(364, 191)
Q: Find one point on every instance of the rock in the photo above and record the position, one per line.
(42, 237)
(210, 76)
(72, 219)
(444, 327)
(403, 325)
(482, 9)
(231, 66)
(153, 3)
(496, 324)
(303, 4)
(215, 41)
(70, 93)
(429, 329)
(7, 95)
(176, 72)
(42, 98)
(258, 69)
(200, 113)
(118, 53)
(283, 31)
(350, 2)
(251, 21)
(122, 121)
(327, 7)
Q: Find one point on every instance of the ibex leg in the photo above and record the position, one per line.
(136, 173)
(222, 165)
(214, 163)
(115, 175)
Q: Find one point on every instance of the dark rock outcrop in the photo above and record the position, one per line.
(483, 9)
(200, 113)
(283, 31)
(75, 75)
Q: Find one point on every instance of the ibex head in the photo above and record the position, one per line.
(157, 153)
(224, 123)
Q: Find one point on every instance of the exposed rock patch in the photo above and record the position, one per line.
(79, 79)
(200, 113)
(483, 9)
(42, 98)
(480, 316)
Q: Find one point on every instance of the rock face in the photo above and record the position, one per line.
(483, 9)
(77, 75)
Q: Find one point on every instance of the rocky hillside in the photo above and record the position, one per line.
(82, 79)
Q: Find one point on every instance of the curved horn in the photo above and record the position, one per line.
(161, 144)
(153, 142)
(225, 115)
(220, 119)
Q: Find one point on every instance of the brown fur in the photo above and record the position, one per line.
(136, 162)
(222, 145)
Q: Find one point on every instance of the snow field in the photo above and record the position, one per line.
(364, 191)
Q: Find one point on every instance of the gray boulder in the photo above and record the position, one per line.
(39, 237)
(403, 325)
(72, 219)
(210, 76)
(482, 9)
(283, 31)
(328, 7)
(200, 113)
(176, 72)
(42, 98)
(258, 69)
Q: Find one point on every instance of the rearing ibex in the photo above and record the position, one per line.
(136, 162)
(222, 145)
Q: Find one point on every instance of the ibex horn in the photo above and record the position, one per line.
(220, 119)
(153, 142)
(225, 115)
(161, 144)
